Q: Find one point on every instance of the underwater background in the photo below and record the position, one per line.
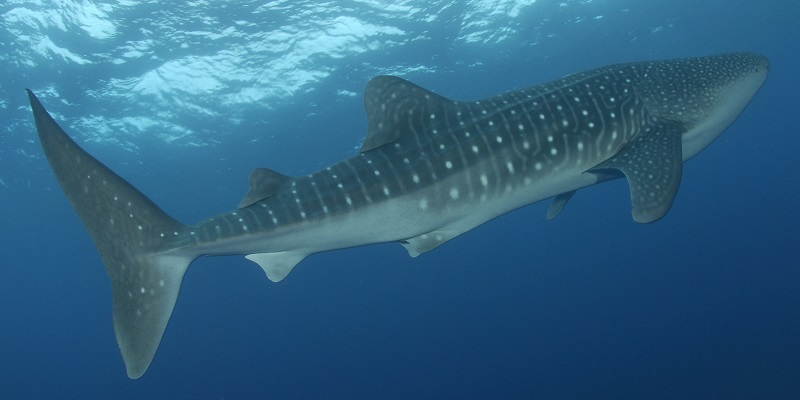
(183, 99)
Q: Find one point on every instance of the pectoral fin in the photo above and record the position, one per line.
(558, 204)
(652, 162)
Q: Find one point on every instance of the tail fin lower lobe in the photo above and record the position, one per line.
(132, 235)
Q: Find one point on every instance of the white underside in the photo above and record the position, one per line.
(735, 99)
(398, 219)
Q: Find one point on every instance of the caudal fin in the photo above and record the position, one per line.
(133, 236)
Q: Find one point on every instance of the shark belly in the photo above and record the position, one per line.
(421, 220)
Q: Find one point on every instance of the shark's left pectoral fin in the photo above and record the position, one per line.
(279, 264)
(652, 162)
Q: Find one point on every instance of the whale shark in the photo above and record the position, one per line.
(430, 169)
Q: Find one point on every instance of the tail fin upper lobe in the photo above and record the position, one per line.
(132, 235)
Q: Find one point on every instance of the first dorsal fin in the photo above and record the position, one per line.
(264, 183)
(396, 106)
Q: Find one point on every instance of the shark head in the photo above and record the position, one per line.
(703, 94)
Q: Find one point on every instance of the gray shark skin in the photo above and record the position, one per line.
(430, 169)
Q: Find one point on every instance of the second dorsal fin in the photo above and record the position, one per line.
(264, 183)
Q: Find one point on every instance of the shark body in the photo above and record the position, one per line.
(430, 169)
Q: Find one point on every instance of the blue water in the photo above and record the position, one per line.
(184, 100)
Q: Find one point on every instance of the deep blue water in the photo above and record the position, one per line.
(184, 100)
